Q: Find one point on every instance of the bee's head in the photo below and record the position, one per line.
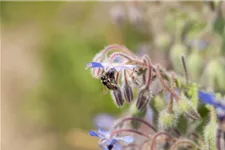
(103, 77)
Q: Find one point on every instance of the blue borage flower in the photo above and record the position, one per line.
(199, 44)
(107, 143)
(209, 98)
(118, 67)
(105, 120)
(220, 114)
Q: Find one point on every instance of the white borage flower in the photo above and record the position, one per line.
(106, 66)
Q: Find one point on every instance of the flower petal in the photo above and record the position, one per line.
(113, 143)
(209, 98)
(94, 65)
(105, 148)
(126, 139)
(103, 133)
(93, 133)
(149, 115)
(105, 120)
(117, 146)
(206, 97)
(123, 67)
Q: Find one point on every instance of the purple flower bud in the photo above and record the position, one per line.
(143, 98)
(117, 97)
(127, 91)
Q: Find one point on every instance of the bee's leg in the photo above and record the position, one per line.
(104, 90)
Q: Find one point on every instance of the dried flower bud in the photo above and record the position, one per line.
(167, 120)
(127, 92)
(117, 97)
(185, 106)
(143, 98)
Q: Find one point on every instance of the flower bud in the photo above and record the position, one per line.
(210, 132)
(134, 112)
(193, 93)
(159, 103)
(185, 106)
(127, 92)
(167, 120)
(138, 114)
(143, 98)
(117, 97)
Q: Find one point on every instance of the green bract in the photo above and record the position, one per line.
(167, 120)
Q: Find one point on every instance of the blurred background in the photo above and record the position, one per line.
(49, 101)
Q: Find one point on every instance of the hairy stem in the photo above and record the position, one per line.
(123, 55)
(164, 84)
(129, 131)
(143, 144)
(181, 142)
(117, 77)
(176, 131)
(157, 135)
(138, 120)
(170, 105)
(117, 47)
(125, 76)
(218, 138)
(201, 141)
(149, 66)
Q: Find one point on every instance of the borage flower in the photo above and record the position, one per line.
(106, 66)
(107, 142)
(220, 114)
(210, 98)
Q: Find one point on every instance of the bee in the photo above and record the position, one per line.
(108, 79)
